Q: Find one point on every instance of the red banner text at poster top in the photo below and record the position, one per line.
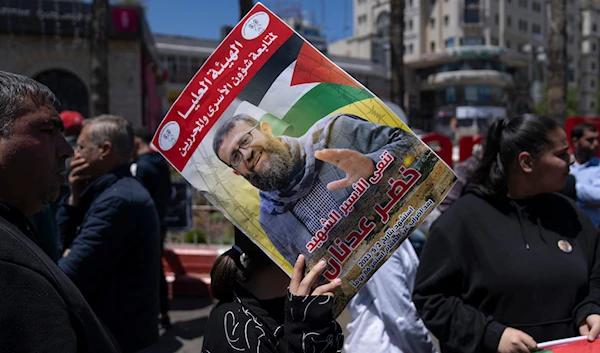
(224, 75)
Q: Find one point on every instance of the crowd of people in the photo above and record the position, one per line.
(511, 260)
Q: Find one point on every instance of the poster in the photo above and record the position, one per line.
(299, 155)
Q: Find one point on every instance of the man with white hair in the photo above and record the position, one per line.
(111, 227)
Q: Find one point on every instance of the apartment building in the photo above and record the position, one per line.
(477, 58)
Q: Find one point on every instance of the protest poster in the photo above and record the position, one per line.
(299, 155)
(570, 345)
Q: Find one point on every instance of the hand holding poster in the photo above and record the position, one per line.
(299, 155)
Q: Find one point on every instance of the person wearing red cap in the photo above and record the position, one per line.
(73, 122)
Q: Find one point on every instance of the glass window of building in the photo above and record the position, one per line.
(446, 20)
(383, 25)
(432, 46)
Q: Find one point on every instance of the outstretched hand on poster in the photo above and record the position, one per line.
(355, 164)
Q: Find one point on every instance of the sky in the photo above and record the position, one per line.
(204, 18)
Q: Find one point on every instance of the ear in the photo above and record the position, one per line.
(105, 149)
(266, 128)
(525, 162)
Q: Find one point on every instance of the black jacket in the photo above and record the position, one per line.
(153, 172)
(287, 324)
(114, 260)
(491, 264)
(42, 310)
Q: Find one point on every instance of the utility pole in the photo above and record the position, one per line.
(99, 56)
(557, 62)
(397, 51)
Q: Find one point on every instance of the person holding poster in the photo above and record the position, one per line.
(297, 177)
(512, 263)
(258, 312)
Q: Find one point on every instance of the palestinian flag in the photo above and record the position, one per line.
(571, 345)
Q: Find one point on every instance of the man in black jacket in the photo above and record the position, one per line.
(111, 226)
(41, 310)
(151, 169)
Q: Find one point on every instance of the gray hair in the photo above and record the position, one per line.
(20, 95)
(228, 126)
(114, 129)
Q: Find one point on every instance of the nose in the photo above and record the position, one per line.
(246, 153)
(63, 149)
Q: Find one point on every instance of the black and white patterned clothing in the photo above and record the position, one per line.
(299, 324)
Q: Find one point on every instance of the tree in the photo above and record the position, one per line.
(397, 51)
(572, 103)
(557, 62)
(245, 7)
(99, 58)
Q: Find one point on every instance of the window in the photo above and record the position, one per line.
(383, 25)
(432, 46)
(593, 65)
(536, 29)
(410, 25)
(594, 28)
(432, 22)
(449, 42)
(537, 7)
(495, 41)
(432, 2)
(594, 47)
(593, 83)
(471, 93)
(410, 3)
(362, 19)
(508, 44)
(523, 3)
(446, 20)
(508, 21)
(410, 48)
(522, 25)
(497, 19)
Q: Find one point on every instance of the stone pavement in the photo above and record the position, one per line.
(189, 317)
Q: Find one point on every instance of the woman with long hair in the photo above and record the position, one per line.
(261, 310)
(512, 263)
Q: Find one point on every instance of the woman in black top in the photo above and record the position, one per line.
(512, 263)
(257, 312)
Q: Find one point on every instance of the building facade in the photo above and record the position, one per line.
(49, 41)
(183, 57)
(476, 58)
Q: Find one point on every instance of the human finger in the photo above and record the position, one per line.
(584, 329)
(329, 155)
(338, 184)
(311, 277)
(594, 331)
(297, 274)
(327, 289)
(529, 342)
(79, 169)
